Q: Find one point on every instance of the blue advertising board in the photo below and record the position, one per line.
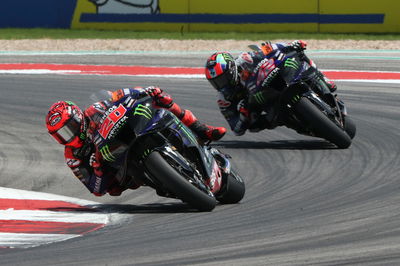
(204, 15)
(36, 14)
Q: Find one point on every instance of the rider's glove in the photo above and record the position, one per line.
(244, 119)
(160, 98)
(243, 110)
(298, 45)
(266, 47)
(95, 164)
(153, 91)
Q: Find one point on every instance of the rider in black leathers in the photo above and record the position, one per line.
(246, 83)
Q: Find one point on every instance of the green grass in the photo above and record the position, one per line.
(14, 34)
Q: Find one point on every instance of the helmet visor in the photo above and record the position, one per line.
(221, 81)
(69, 131)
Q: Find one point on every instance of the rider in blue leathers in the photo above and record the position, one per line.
(80, 131)
(246, 83)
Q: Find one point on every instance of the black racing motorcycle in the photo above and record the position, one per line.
(303, 102)
(152, 146)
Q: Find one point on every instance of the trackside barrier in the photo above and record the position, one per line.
(37, 13)
(206, 15)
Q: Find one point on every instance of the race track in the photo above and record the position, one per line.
(306, 203)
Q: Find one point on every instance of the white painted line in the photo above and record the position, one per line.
(55, 216)
(20, 240)
(360, 71)
(11, 193)
(388, 81)
(39, 71)
(182, 76)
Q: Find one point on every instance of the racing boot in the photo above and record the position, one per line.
(329, 83)
(206, 132)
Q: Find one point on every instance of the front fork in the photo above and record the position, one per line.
(333, 107)
(183, 167)
(224, 167)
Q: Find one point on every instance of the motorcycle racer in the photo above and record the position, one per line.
(246, 82)
(75, 129)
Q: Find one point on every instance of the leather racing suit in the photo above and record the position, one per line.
(86, 161)
(239, 104)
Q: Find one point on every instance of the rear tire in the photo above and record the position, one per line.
(176, 184)
(234, 190)
(321, 125)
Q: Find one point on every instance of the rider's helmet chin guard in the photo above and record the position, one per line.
(66, 123)
(221, 71)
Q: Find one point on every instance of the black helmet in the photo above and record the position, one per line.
(221, 70)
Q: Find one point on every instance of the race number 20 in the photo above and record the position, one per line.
(111, 120)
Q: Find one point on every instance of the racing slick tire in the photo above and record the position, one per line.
(176, 184)
(234, 189)
(350, 127)
(321, 125)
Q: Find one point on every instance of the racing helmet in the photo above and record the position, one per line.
(221, 70)
(66, 124)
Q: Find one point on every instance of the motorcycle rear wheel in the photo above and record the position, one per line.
(175, 183)
(321, 125)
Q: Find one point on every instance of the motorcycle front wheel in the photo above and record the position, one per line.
(176, 184)
(350, 127)
(234, 189)
(321, 125)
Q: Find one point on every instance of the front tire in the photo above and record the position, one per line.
(321, 125)
(176, 184)
(234, 189)
(349, 127)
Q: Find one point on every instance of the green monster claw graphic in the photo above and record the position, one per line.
(292, 63)
(106, 153)
(259, 97)
(296, 98)
(143, 111)
(146, 153)
(227, 57)
(185, 129)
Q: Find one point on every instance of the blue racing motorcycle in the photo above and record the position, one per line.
(293, 94)
(140, 142)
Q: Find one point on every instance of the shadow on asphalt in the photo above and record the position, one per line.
(276, 145)
(156, 208)
(178, 207)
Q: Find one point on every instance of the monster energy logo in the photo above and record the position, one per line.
(186, 130)
(291, 62)
(296, 98)
(143, 110)
(259, 97)
(227, 57)
(146, 153)
(106, 153)
(82, 136)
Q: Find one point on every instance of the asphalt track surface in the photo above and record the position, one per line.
(306, 203)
